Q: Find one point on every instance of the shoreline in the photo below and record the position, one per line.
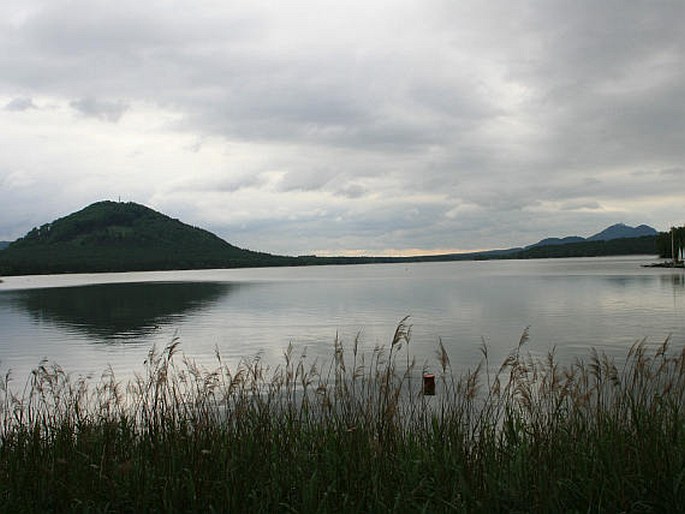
(669, 265)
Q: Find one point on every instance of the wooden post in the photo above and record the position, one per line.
(428, 384)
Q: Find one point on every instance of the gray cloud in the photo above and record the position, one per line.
(20, 104)
(351, 191)
(100, 109)
(673, 172)
(520, 120)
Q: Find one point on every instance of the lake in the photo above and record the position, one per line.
(87, 322)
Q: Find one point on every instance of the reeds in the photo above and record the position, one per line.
(353, 434)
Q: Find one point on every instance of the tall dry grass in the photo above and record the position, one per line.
(354, 434)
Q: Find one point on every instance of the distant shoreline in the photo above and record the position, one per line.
(123, 237)
(669, 265)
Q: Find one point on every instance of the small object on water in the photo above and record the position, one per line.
(428, 384)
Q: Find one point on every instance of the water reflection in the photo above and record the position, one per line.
(630, 280)
(118, 312)
(677, 280)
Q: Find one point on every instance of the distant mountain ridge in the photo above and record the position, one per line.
(114, 236)
(4, 244)
(616, 231)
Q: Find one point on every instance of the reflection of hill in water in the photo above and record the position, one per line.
(119, 311)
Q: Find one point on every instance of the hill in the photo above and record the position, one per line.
(622, 231)
(113, 236)
(617, 231)
(645, 245)
(4, 244)
(553, 241)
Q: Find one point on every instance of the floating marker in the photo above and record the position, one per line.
(428, 384)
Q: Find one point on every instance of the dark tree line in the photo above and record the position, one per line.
(671, 242)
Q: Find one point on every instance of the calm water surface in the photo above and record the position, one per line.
(85, 322)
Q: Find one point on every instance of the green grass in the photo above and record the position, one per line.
(351, 435)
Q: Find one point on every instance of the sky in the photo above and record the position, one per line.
(346, 128)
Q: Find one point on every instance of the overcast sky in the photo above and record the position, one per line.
(343, 127)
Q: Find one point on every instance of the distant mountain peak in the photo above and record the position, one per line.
(621, 230)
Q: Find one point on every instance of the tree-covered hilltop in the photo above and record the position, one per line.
(113, 236)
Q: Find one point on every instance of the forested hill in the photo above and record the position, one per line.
(114, 236)
(644, 245)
